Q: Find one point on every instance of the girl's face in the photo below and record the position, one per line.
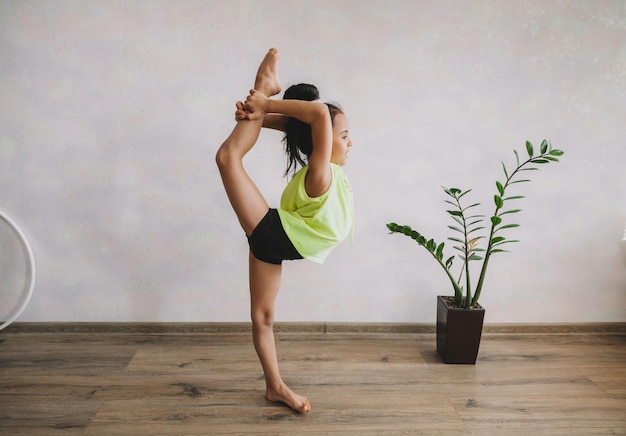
(341, 140)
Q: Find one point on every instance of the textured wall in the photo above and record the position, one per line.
(112, 113)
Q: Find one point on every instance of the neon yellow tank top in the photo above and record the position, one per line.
(317, 225)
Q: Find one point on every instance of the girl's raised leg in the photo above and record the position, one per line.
(264, 285)
(247, 201)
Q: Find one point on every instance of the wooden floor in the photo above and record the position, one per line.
(358, 383)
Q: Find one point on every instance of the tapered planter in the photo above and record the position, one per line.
(458, 332)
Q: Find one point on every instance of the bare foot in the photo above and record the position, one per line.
(267, 76)
(287, 396)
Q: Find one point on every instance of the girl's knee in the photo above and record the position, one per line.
(228, 154)
(223, 157)
(264, 318)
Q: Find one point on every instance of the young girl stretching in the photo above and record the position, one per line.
(316, 210)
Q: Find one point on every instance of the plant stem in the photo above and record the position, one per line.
(492, 232)
(468, 285)
(458, 292)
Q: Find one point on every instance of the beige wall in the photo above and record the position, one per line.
(112, 113)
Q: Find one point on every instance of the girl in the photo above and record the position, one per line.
(316, 210)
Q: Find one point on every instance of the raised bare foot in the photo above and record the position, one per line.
(267, 75)
(287, 396)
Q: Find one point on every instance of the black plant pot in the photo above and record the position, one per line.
(458, 332)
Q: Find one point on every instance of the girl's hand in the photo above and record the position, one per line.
(240, 113)
(255, 105)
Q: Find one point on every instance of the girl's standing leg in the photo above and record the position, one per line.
(250, 207)
(264, 286)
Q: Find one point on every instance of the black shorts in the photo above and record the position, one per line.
(269, 242)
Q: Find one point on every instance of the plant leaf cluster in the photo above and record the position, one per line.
(468, 224)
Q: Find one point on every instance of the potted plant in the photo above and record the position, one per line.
(460, 317)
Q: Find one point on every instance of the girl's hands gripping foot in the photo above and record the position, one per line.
(255, 105)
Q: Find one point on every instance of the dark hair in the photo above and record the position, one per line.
(298, 141)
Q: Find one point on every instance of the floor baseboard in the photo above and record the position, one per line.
(301, 327)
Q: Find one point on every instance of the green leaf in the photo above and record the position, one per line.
(540, 161)
(469, 190)
(457, 240)
(415, 234)
(516, 157)
(474, 257)
(470, 206)
(544, 146)
(551, 159)
(510, 211)
(431, 245)
(500, 188)
(529, 149)
(515, 197)
(475, 230)
(506, 174)
(519, 181)
(449, 262)
(556, 153)
(439, 252)
(495, 220)
(455, 212)
(497, 239)
(456, 229)
(508, 226)
(499, 250)
(498, 200)
(508, 241)
(458, 220)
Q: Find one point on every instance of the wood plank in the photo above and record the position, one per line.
(357, 414)
(611, 380)
(546, 412)
(42, 414)
(77, 361)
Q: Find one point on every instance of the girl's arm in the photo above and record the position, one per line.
(314, 114)
(275, 122)
(270, 121)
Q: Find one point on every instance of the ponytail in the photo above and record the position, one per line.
(298, 140)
